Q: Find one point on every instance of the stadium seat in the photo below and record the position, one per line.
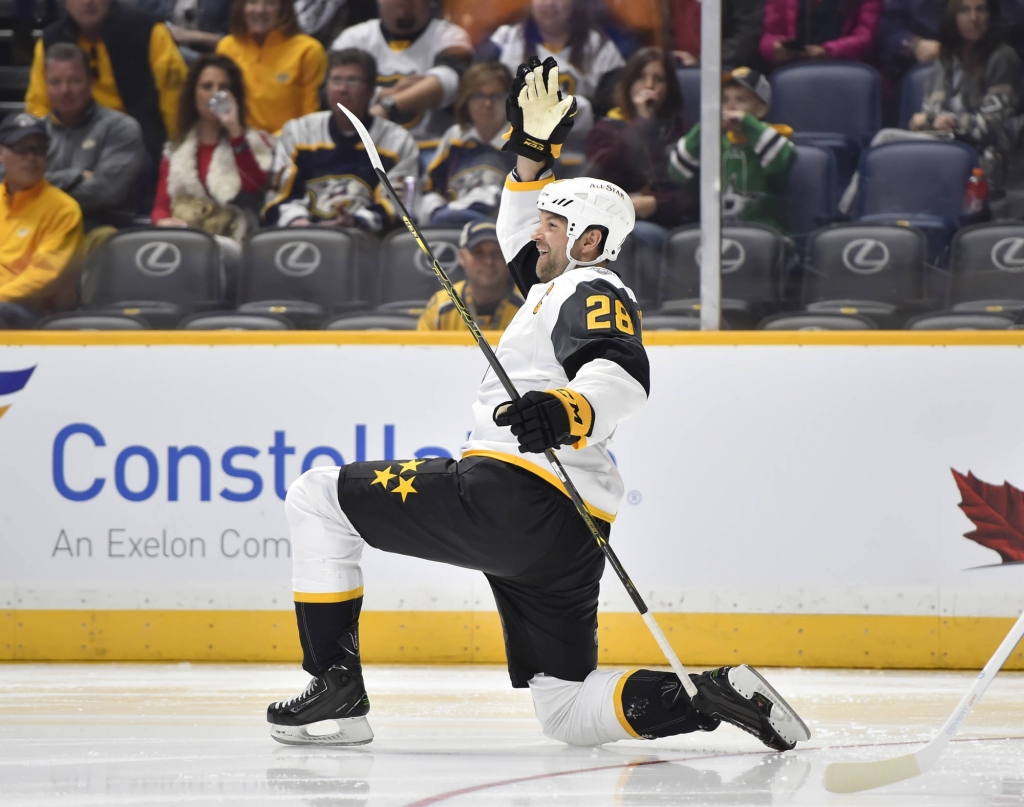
(234, 321)
(407, 279)
(812, 193)
(160, 273)
(919, 182)
(871, 269)
(912, 93)
(671, 322)
(375, 321)
(831, 104)
(964, 321)
(81, 321)
(302, 273)
(987, 268)
(806, 321)
(689, 85)
(752, 261)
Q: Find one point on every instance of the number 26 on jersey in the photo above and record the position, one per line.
(600, 317)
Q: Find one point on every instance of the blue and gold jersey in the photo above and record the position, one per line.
(319, 169)
(440, 313)
(466, 172)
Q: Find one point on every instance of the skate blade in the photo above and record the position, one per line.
(783, 718)
(348, 731)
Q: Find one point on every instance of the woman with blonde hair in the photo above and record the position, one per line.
(283, 67)
(465, 178)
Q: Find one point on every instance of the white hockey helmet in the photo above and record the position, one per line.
(586, 202)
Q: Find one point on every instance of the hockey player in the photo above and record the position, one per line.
(574, 352)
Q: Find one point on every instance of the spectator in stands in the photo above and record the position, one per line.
(96, 154)
(40, 228)
(631, 146)
(908, 35)
(196, 25)
(756, 156)
(136, 66)
(588, 61)
(322, 174)
(419, 60)
(464, 181)
(283, 67)
(213, 176)
(741, 31)
(488, 290)
(795, 30)
(972, 93)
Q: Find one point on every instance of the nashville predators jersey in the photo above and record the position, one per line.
(319, 169)
(441, 314)
(579, 333)
(426, 54)
(466, 173)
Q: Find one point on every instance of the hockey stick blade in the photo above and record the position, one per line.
(506, 382)
(850, 777)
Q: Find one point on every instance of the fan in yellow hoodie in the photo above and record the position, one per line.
(40, 228)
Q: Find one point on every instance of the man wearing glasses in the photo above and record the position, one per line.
(322, 175)
(40, 228)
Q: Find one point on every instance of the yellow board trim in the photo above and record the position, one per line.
(619, 686)
(547, 476)
(420, 338)
(338, 596)
(464, 637)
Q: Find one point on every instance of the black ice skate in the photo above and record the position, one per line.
(739, 695)
(334, 705)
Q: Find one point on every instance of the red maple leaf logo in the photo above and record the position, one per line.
(998, 513)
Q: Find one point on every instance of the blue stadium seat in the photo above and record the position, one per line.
(812, 193)
(960, 321)
(912, 93)
(987, 269)
(835, 105)
(806, 321)
(919, 182)
(689, 85)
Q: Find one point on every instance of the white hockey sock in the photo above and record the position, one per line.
(581, 712)
(326, 549)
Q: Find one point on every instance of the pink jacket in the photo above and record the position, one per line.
(857, 41)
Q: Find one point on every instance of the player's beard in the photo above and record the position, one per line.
(551, 265)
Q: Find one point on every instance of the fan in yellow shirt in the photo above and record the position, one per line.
(139, 73)
(488, 289)
(283, 68)
(40, 228)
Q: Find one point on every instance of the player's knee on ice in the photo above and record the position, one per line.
(610, 706)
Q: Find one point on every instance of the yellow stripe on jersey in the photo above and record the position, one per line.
(619, 712)
(331, 596)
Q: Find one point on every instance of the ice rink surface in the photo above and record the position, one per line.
(181, 734)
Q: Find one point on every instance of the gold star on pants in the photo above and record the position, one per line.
(411, 466)
(405, 487)
(383, 477)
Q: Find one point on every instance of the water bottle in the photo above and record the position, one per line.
(219, 103)
(977, 192)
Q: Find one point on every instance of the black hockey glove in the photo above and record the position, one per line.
(541, 119)
(549, 419)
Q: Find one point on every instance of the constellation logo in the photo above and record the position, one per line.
(11, 382)
(447, 255)
(158, 259)
(1008, 255)
(865, 256)
(734, 255)
(297, 258)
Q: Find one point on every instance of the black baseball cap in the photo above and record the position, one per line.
(750, 80)
(17, 127)
(477, 232)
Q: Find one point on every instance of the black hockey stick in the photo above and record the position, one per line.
(506, 382)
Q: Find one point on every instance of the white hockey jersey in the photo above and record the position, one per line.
(580, 331)
(397, 59)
